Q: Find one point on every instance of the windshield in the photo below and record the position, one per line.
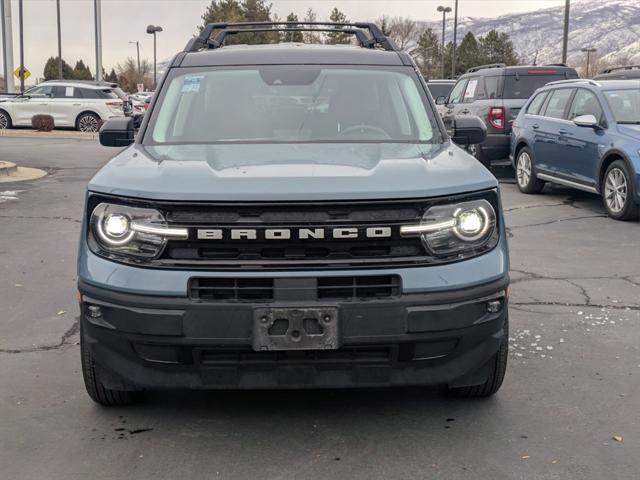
(294, 103)
(625, 105)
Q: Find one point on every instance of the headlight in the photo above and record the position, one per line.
(457, 230)
(133, 232)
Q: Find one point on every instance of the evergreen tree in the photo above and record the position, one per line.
(111, 76)
(497, 48)
(51, 69)
(292, 36)
(220, 11)
(335, 37)
(81, 71)
(257, 11)
(468, 54)
(427, 53)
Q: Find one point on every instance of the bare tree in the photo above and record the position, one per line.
(129, 77)
(403, 31)
(311, 37)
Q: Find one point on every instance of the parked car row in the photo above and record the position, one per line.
(72, 104)
(557, 128)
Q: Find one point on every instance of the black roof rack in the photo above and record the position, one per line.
(482, 67)
(375, 37)
(617, 69)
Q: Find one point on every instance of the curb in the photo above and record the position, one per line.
(7, 169)
(10, 172)
(61, 134)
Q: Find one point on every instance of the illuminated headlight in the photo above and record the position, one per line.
(458, 230)
(132, 232)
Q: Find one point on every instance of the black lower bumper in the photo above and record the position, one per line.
(496, 146)
(140, 342)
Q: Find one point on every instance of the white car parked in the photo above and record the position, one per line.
(76, 104)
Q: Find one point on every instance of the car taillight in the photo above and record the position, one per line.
(497, 117)
(116, 104)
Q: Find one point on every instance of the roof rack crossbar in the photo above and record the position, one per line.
(219, 39)
(482, 67)
(617, 69)
(204, 40)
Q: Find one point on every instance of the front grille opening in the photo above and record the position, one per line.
(240, 357)
(231, 289)
(347, 288)
(359, 287)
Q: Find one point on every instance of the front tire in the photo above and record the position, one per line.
(525, 176)
(5, 120)
(496, 375)
(88, 122)
(96, 390)
(618, 193)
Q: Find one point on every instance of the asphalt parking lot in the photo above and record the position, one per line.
(573, 383)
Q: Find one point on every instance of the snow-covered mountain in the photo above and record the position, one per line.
(611, 26)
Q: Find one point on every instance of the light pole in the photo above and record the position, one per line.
(455, 41)
(21, 27)
(98, 21)
(59, 41)
(154, 29)
(137, 43)
(444, 11)
(7, 44)
(565, 36)
(588, 51)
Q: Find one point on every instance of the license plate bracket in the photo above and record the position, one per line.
(295, 328)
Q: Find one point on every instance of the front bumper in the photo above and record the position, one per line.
(141, 341)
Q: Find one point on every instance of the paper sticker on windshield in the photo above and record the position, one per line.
(192, 83)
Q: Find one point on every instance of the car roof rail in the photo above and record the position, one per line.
(482, 67)
(617, 69)
(375, 37)
(554, 65)
(575, 80)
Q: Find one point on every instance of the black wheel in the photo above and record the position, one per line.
(618, 194)
(478, 153)
(5, 120)
(88, 122)
(95, 389)
(498, 370)
(525, 176)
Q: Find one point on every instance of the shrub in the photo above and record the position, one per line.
(42, 123)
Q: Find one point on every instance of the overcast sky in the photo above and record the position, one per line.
(126, 20)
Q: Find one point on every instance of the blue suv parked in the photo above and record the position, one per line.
(292, 216)
(582, 134)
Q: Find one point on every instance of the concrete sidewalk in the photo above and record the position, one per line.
(60, 134)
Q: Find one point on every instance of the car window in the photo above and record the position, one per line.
(474, 90)
(536, 103)
(523, 85)
(61, 91)
(458, 91)
(294, 103)
(557, 103)
(625, 105)
(42, 91)
(491, 87)
(585, 103)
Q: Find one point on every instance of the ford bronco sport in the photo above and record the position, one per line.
(292, 216)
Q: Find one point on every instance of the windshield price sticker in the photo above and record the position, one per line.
(192, 84)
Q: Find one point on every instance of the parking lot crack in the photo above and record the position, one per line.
(558, 220)
(64, 340)
(37, 217)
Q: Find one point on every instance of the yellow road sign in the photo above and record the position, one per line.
(25, 73)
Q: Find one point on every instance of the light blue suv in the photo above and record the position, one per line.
(582, 134)
(292, 216)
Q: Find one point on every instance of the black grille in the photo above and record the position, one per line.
(269, 289)
(364, 354)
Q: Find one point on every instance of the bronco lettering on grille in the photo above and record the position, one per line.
(340, 233)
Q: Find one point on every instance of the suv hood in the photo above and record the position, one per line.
(288, 172)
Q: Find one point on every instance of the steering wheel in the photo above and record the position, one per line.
(363, 128)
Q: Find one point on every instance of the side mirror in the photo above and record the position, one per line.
(588, 121)
(117, 132)
(441, 100)
(468, 130)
